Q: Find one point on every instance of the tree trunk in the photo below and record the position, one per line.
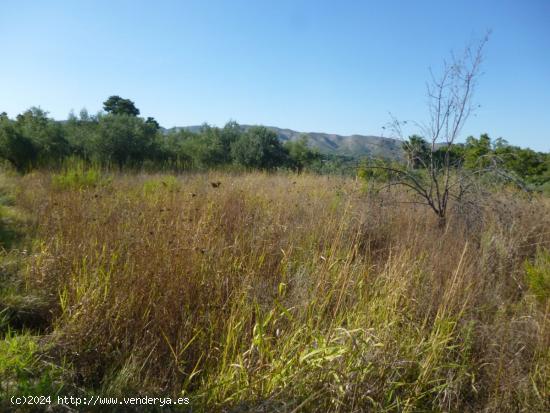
(442, 221)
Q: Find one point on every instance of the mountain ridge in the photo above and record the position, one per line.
(330, 143)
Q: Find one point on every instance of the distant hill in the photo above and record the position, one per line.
(330, 143)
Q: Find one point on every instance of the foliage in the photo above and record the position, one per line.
(334, 165)
(259, 148)
(80, 132)
(16, 148)
(533, 167)
(119, 106)
(120, 138)
(301, 156)
(477, 152)
(530, 167)
(417, 152)
(23, 373)
(32, 139)
(123, 140)
(47, 136)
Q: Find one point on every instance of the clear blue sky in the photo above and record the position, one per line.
(326, 66)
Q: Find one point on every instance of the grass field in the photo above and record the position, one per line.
(272, 292)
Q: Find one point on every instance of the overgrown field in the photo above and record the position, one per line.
(266, 292)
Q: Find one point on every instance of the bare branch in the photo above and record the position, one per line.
(449, 107)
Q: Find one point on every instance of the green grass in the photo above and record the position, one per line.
(24, 371)
(538, 275)
(78, 175)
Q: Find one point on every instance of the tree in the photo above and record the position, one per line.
(46, 135)
(213, 145)
(417, 151)
(477, 152)
(175, 148)
(119, 106)
(449, 107)
(123, 140)
(81, 131)
(530, 166)
(259, 148)
(14, 147)
(230, 133)
(300, 154)
(205, 148)
(152, 122)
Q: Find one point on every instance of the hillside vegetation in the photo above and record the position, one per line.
(356, 146)
(272, 292)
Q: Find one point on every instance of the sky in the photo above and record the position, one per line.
(313, 66)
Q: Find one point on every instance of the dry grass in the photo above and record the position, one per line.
(290, 293)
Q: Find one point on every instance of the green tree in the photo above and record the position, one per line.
(123, 140)
(80, 132)
(454, 155)
(229, 134)
(119, 106)
(14, 147)
(259, 148)
(527, 164)
(175, 148)
(417, 152)
(205, 148)
(152, 122)
(47, 135)
(300, 154)
(477, 152)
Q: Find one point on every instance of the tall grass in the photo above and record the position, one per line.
(292, 293)
(77, 174)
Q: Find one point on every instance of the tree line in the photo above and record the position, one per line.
(483, 154)
(119, 137)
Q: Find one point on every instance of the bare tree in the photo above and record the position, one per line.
(449, 105)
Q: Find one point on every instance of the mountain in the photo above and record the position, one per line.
(329, 143)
